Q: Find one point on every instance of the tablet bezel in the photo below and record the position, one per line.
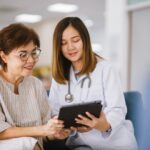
(70, 112)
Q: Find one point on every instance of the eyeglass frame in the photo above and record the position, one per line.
(30, 54)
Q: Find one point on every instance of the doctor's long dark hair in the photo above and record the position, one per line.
(61, 65)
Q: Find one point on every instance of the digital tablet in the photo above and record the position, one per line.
(70, 112)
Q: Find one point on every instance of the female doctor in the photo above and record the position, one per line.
(81, 76)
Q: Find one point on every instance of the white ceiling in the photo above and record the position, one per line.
(88, 9)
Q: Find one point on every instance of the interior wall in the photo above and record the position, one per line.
(45, 31)
(116, 41)
(140, 48)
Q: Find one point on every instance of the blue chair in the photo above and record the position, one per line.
(134, 104)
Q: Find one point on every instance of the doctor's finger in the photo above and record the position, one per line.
(78, 120)
(102, 114)
(92, 117)
(82, 117)
(83, 121)
(83, 128)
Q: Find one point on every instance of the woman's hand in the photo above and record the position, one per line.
(64, 133)
(53, 127)
(93, 122)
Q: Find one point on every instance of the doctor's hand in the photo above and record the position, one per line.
(100, 123)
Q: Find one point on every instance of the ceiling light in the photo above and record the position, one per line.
(64, 8)
(28, 18)
(88, 23)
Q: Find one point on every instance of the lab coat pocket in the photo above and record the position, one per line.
(122, 138)
(96, 93)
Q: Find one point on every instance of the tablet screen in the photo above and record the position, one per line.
(70, 112)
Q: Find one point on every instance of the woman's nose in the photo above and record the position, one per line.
(70, 46)
(30, 58)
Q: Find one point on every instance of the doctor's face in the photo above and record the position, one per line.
(72, 45)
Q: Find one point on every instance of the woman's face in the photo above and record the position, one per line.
(20, 61)
(72, 45)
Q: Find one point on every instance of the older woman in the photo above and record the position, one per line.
(24, 109)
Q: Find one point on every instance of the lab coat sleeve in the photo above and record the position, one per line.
(115, 108)
(54, 98)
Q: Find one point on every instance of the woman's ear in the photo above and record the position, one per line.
(3, 56)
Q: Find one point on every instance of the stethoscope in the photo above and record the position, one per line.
(69, 96)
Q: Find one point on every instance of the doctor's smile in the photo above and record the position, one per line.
(72, 54)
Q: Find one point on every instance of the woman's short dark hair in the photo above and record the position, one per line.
(14, 36)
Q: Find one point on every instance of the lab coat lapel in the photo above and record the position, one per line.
(73, 78)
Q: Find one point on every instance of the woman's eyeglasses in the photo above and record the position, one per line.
(24, 55)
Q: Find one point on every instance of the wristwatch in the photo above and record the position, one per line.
(109, 130)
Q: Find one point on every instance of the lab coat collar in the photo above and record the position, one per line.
(73, 77)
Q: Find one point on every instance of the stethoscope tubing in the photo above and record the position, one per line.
(69, 96)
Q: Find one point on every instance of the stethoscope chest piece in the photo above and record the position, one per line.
(69, 98)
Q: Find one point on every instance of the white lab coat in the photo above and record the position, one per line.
(105, 86)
